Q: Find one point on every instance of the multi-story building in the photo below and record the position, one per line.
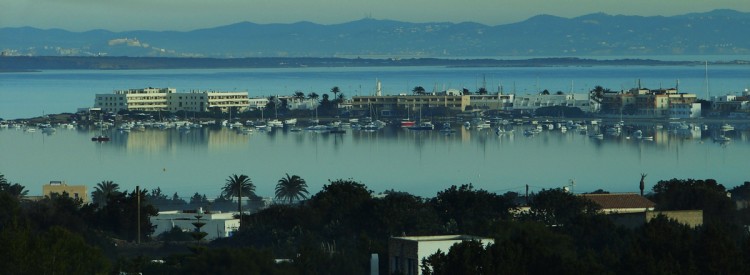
(167, 99)
(732, 105)
(529, 103)
(61, 188)
(395, 104)
(651, 103)
(502, 102)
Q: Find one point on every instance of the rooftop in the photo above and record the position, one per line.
(620, 201)
(440, 238)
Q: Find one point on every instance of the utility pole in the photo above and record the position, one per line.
(138, 225)
(239, 203)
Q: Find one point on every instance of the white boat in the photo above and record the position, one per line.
(275, 123)
(317, 128)
(425, 125)
(291, 121)
(726, 127)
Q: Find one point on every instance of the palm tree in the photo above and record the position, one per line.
(418, 90)
(299, 95)
(103, 191)
(238, 186)
(335, 90)
(291, 188)
(313, 96)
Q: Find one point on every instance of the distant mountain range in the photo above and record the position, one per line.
(718, 32)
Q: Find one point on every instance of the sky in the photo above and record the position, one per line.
(183, 15)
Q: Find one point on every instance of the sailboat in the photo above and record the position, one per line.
(423, 124)
(406, 122)
(101, 137)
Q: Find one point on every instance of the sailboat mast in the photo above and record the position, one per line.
(708, 92)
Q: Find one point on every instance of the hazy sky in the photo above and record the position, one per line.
(118, 15)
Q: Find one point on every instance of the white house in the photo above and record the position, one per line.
(217, 224)
(406, 253)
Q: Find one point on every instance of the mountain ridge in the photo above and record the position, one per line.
(717, 32)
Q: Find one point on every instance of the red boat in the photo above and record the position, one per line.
(407, 123)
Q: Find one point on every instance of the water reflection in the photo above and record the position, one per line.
(421, 162)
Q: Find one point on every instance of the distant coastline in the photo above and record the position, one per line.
(34, 64)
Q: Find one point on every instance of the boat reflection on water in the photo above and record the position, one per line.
(430, 160)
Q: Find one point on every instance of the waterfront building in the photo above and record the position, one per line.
(405, 254)
(661, 103)
(61, 188)
(498, 101)
(256, 103)
(167, 99)
(529, 103)
(731, 105)
(392, 105)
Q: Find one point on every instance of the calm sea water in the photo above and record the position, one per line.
(418, 162)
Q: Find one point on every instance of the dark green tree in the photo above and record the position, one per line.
(238, 186)
(690, 194)
(291, 188)
(104, 190)
(557, 207)
(418, 90)
(14, 189)
(470, 209)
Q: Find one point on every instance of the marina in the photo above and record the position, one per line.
(497, 155)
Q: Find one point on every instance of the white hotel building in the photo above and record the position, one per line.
(168, 99)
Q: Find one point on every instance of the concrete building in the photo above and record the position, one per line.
(632, 210)
(217, 224)
(621, 203)
(661, 103)
(60, 188)
(405, 254)
(529, 103)
(391, 105)
(167, 99)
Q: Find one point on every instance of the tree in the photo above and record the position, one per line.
(690, 194)
(198, 199)
(335, 90)
(465, 209)
(299, 95)
(556, 207)
(291, 188)
(313, 96)
(482, 91)
(104, 190)
(418, 90)
(545, 92)
(340, 99)
(465, 91)
(238, 186)
(16, 190)
(598, 93)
